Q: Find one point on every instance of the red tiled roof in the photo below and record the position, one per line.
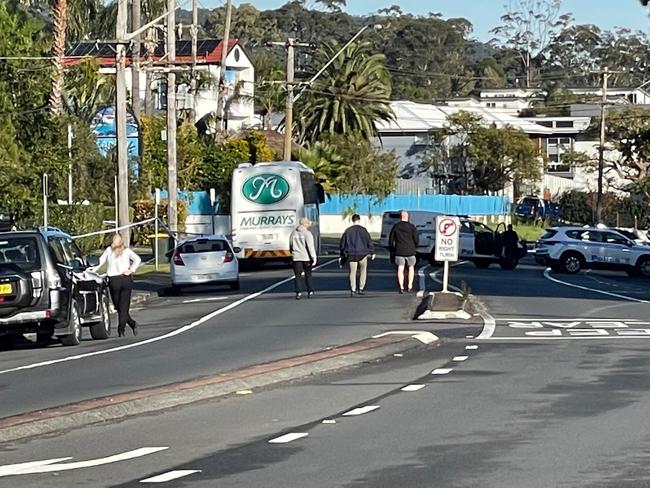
(208, 52)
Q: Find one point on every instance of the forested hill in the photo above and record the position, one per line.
(431, 57)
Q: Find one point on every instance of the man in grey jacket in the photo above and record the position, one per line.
(303, 250)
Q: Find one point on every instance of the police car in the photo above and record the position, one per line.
(478, 243)
(570, 249)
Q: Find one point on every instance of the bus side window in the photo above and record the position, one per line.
(320, 191)
(309, 192)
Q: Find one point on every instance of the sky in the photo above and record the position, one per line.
(484, 14)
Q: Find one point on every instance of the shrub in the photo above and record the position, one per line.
(145, 209)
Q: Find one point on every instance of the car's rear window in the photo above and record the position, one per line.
(203, 245)
(19, 252)
(549, 234)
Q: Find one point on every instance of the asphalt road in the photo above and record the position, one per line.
(553, 392)
(203, 332)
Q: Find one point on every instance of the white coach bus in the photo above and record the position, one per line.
(266, 204)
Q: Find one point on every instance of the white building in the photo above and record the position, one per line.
(239, 76)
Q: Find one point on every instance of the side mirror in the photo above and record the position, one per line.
(236, 250)
(92, 261)
(77, 264)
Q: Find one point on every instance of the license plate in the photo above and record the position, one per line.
(6, 289)
(268, 237)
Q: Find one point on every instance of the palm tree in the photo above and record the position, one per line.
(350, 96)
(58, 50)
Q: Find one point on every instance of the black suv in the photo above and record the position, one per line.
(45, 288)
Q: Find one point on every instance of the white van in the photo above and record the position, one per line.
(423, 220)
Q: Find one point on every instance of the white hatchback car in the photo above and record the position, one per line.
(204, 260)
(570, 249)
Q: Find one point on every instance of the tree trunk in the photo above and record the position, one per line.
(58, 51)
(148, 94)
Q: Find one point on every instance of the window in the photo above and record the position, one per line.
(548, 234)
(584, 235)
(20, 252)
(612, 238)
(545, 123)
(309, 192)
(66, 251)
(564, 124)
(203, 245)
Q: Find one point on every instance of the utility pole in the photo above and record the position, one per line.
(601, 149)
(172, 173)
(120, 120)
(288, 112)
(194, 30)
(135, 61)
(221, 116)
(290, 46)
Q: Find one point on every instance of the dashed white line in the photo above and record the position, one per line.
(441, 371)
(460, 358)
(473, 347)
(283, 439)
(171, 475)
(412, 387)
(361, 410)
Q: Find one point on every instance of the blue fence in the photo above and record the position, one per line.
(447, 204)
(199, 204)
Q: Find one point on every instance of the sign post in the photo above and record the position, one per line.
(155, 247)
(447, 232)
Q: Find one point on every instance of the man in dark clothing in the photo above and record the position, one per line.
(402, 243)
(510, 245)
(356, 245)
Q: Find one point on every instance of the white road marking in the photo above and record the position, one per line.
(329, 421)
(568, 338)
(460, 358)
(54, 465)
(440, 371)
(283, 439)
(208, 299)
(489, 324)
(172, 475)
(173, 333)
(361, 410)
(423, 280)
(471, 348)
(412, 387)
(423, 336)
(547, 275)
(563, 319)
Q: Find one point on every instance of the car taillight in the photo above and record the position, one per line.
(228, 257)
(53, 280)
(178, 260)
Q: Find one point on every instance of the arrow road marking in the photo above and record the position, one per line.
(54, 465)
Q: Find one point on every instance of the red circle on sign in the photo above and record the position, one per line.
(447, 227)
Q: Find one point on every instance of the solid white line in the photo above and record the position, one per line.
(55, 467)
(440, 371)
(173, 333)
(361, 410)
(172, 475)
(575, 319)
(210, 299)
(283, 439)
(547, 275)
(423, 280)
(412, 387)
(471, 348)
(460, 358)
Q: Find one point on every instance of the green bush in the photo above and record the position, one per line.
(145, 209)
(81, 219)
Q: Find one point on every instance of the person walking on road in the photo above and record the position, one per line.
(122, 263)
(402, 243)
(303, 250)
(356, 245)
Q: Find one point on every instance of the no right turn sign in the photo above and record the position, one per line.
(447, 232)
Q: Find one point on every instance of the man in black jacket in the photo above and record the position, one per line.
(356, 245)
(403, 242)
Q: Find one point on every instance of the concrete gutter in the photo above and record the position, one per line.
(150, 400)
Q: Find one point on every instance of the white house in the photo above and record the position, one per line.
(239, 76)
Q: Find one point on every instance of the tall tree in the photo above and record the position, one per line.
(528, 27)
(350, 96)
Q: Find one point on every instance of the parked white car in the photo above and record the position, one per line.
(570, 249)
(205, 260)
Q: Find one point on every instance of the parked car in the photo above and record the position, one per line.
(204, 260)
(423, 220)
(638, 236)
(570, 249)
(45, 288)
(535, 208)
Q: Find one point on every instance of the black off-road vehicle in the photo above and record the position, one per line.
(45, 289)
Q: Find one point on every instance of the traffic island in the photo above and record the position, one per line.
(444, 305)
